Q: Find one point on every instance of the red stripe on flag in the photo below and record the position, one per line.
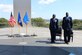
(12, 21)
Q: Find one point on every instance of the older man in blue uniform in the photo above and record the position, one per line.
(53, 27)
(67, 27)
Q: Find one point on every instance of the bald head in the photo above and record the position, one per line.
(67, 14)
(53, 16)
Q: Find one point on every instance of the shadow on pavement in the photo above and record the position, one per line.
(31, 50)
(48, 42)
(5, 35)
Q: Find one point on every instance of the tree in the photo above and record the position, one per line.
(3, 20)
(40, 22)
(77, 24)
(3, 23)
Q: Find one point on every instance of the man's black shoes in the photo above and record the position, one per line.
(52, 42)
(67, 42)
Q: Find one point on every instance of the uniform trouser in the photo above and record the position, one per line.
(53, 35)
(67, 36)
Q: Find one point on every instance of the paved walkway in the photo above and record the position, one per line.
(40, 43)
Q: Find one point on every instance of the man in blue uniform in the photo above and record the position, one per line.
(67, 27)
(53, 27)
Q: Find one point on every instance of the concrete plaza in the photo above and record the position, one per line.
(37, 45)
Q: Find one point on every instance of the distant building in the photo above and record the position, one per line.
(22, 6)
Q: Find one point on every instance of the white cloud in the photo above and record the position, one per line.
(6, 7)
(33, 13)
(46, 1)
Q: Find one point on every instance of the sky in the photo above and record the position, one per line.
(6, 7)
(45, 8)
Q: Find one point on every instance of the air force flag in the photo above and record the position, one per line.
(26, 18)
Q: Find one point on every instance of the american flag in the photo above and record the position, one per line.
(12, 21)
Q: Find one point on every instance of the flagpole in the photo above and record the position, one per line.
(11, 22)
(26, 29)
(11, 30)
(26, 20)
(19, 29)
